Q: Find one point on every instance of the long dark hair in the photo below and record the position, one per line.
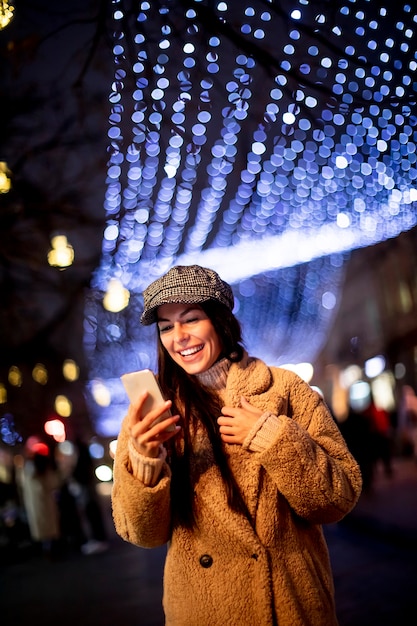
(197, 404)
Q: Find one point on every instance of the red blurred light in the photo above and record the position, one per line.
(40, 448)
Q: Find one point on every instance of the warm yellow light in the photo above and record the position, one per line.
(63, 406)
(3, 394)
(40, 374)
(101, 393)
(5, 180)
(6, 13)
(383, 391)
(62, 253)
(70, 370)
(117, 297)
(350, 375)
(15, 376)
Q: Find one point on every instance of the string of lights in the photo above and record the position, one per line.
(263, 139)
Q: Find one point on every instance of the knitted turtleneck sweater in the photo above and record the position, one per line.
(215, 377)
(262, 434)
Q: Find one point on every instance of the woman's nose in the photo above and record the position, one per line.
(180, 335)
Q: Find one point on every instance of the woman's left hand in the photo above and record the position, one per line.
(235, 423)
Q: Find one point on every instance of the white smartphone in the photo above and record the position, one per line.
(135, 382)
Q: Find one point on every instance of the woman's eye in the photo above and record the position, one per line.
(164, 329)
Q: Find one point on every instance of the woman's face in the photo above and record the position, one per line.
(188, 336)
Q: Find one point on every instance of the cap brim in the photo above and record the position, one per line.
(149, 316)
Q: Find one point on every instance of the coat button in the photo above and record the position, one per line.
(206, 560)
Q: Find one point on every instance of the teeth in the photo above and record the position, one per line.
(191, 351)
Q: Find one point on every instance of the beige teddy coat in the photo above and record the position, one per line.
(274, 571)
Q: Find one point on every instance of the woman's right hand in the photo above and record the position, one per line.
(145, 436)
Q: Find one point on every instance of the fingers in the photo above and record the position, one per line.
(134, 410)
(235, 423)
(149, 431)
(147, 441)
(232, 430)
(136, 415)
(249, 407)
(245, 407)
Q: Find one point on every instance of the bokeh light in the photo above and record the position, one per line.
(266, 147)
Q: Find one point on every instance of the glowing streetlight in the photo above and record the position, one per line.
(117, 297)
(62, 253)
(5, 180)
(6, 13)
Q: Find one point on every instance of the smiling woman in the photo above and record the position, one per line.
(241, 486)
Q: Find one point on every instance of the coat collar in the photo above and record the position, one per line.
(254, 380)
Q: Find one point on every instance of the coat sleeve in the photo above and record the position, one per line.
(141, 514)
(309, 460)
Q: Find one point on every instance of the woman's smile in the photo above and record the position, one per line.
(191, 351)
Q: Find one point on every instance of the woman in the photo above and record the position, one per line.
(240, 488)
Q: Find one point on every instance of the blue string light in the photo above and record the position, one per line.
(265, 140)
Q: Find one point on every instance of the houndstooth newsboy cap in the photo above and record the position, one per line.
(185, 284)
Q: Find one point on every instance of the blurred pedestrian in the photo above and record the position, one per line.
(356, 430)
(83, 487)
(40, 484)
(407, 420)
(381, 435)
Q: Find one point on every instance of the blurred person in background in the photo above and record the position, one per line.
(82, 485)
(381, 435)
(407, 421)
(14, 531)
(240, 486)
(40, 482)
(356, 429)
